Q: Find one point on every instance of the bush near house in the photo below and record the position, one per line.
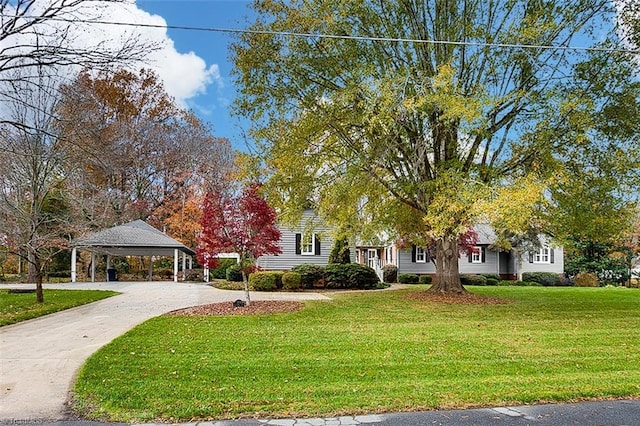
(425, 279)
(390, 273)
(311, 275)
(546, 279)
(234, 273)
(263, 281)
(291, 281)
(220, 271)
(408, 279)
(352, 275)
(492, 281)
(473, 279)
(196, 274)
(587, 279)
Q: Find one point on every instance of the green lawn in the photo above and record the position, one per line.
(19, 307)
(371, 352)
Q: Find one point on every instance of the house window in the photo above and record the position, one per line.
(477, 255)
(543, 255)
(421, 255)
(307, 245)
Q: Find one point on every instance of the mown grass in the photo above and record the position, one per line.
(371, 352)
(16, 307)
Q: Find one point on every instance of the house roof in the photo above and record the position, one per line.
(136, 238)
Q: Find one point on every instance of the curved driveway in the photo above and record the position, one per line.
(39, 357)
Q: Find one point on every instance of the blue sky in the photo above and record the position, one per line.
(212, 105)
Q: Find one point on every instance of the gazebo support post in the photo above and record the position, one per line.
(93, 267)
(150, 267)
(184, 266)
(74, 254)
(175, 265)
(108, 265)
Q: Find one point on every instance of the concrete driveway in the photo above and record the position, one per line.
(39, 357)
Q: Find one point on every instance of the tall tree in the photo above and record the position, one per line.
(244, 224)
(413, 116)
(138, 151)
(33, 206)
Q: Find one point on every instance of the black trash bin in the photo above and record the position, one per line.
(112, 274)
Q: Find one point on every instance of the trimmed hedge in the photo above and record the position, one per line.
(352, 275)
(425, 279)
(408, 279)
(220, 271)
(492, 281)
(390, 273)
(547, 279)
(263, 281)
(311, 275)
(473, 279)
(291, 281)
(234, 273)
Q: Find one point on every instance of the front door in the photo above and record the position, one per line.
(372, 255)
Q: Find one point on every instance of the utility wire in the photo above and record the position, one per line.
(343, 37)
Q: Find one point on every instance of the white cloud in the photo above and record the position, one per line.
(185, 75)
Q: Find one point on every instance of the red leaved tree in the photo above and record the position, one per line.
(243, 224)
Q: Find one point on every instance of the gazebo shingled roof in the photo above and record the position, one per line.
(136, 238)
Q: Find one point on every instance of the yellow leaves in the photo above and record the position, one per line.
(514, 206)
(457, 202)
(444, 95)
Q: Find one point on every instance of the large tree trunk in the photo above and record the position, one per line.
(447, 280)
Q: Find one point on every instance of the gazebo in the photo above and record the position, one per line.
(135, 238)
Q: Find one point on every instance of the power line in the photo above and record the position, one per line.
(343, 37)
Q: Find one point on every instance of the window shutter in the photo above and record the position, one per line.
(530, 257)
(483, 254)
(317, 247)
(551, 251)
(413, 253)
(470, 256)
(298, 243)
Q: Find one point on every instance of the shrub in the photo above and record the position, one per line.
(234, 273)
(278, 275)
(546, 279)
(340, 252)
(291, 281)
(165, 273)
(425, 279)
(220, 271)
(492, 276)
(311, 275)
(390, 273)
(507, 282)
(492, 281)
(472, 279)
(60, 274)
(193, 275)
(263, 281)
(351, 275)
(408, 279)
(587, 279)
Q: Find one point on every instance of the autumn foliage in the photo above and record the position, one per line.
(243, 224)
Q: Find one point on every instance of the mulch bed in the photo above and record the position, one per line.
(255, 308)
